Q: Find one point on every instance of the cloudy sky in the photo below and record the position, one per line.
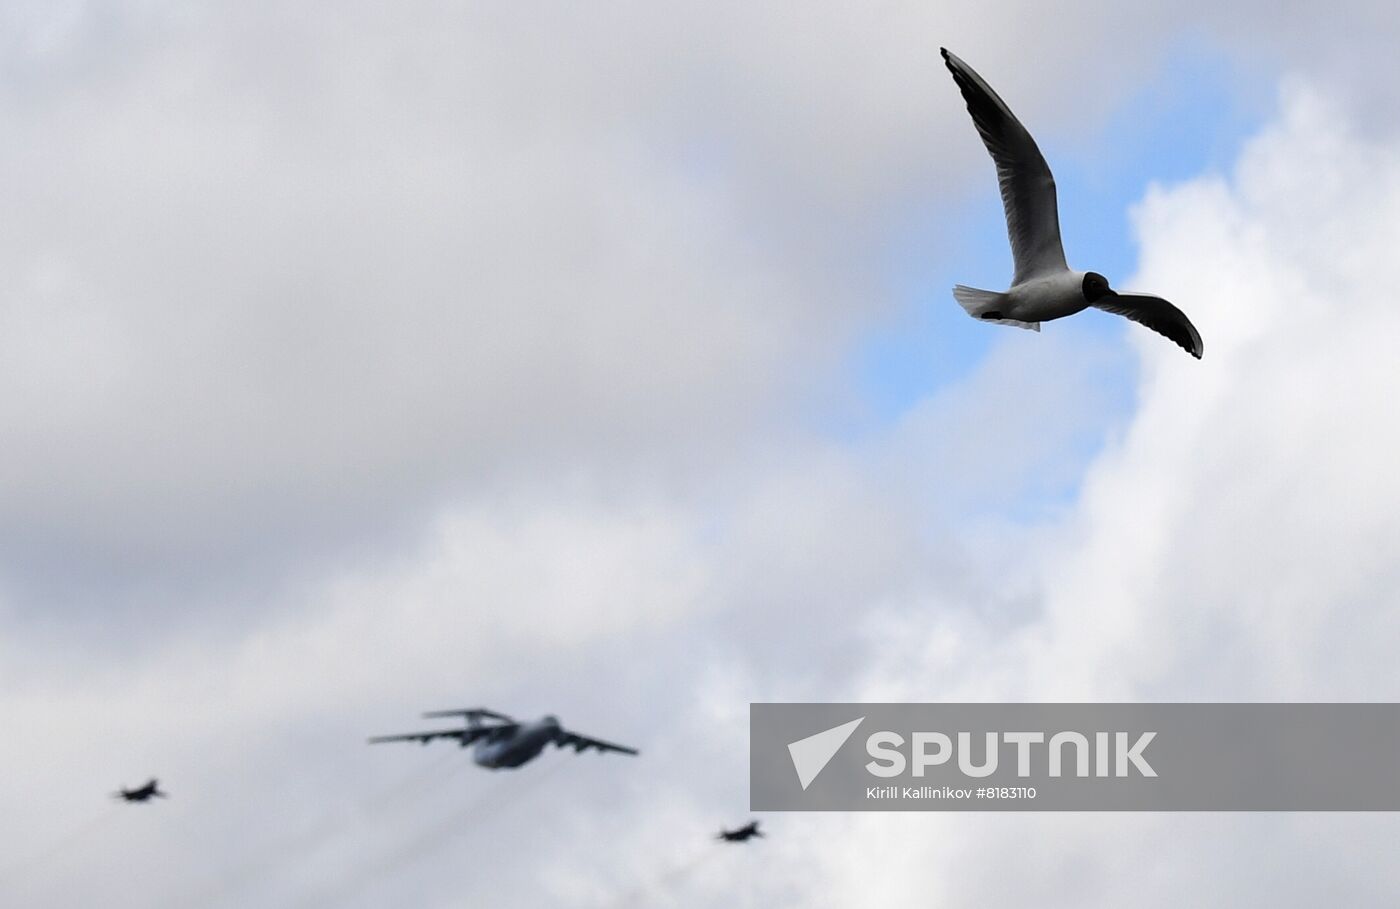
(360, 359)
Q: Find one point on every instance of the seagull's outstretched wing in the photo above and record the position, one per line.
(1158, 315)
(1027, 188)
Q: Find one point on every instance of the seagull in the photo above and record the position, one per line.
(1043, 287)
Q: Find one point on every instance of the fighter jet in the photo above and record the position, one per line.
(504, 742)
(140, 794)
(742, 835)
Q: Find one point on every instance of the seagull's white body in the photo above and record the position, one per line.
(1045, 297)
(1044, 287)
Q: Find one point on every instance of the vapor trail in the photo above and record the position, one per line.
(301, 846)
(668, 878)
(63, 843)
(506, 788)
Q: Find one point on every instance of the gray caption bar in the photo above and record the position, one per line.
(1074, 757)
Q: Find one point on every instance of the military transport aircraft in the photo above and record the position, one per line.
(504, 742)
(141, 793)
(742, 835)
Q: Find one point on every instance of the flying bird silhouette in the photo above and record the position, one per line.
(1043, 287)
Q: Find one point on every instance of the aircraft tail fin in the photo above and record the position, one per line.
(473, 715)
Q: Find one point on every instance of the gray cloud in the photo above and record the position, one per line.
(282, 278)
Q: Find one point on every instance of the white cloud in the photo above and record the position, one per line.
(1238, 543)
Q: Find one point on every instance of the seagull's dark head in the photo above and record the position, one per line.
(1096, 287)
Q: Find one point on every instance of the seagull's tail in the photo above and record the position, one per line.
(985, 305)
(978, 303)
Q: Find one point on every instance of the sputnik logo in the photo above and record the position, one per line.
(811, 755)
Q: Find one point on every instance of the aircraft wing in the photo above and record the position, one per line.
(578, 742)
(464, 736)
